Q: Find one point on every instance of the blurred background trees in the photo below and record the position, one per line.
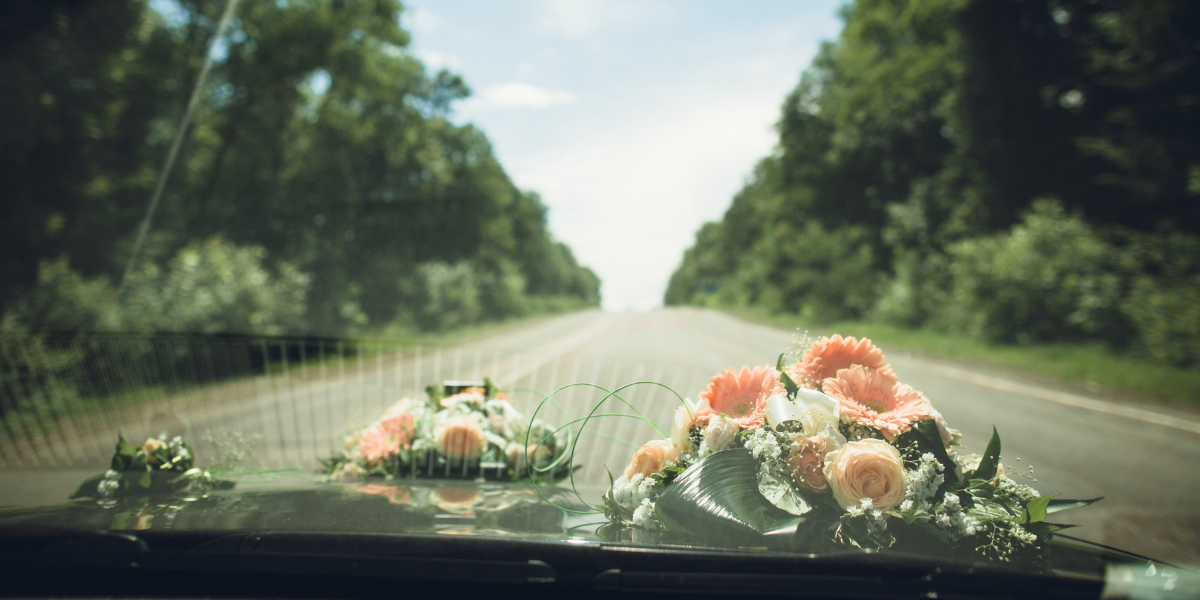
(1020, 170)
(321, 189)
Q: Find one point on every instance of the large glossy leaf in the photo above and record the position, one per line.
(990, 460)
(1057, 504)
(717, 498)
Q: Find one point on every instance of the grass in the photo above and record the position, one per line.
(1093, 367)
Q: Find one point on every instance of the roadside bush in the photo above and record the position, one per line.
(1164, 296)
(63, 300)
(822, 274)
(1049, 278)
(216, 286)
(502, 292)
(448, 295)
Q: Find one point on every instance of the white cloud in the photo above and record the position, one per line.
(421, 23)
(517, 95)
(574, 19)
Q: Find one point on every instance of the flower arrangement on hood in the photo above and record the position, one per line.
(157, 466)
(457, 430)
(830, 452)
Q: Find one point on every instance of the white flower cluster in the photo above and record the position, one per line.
(923, 483)
(876, 519)
(178, 449)
(1023, 492)
(630, 493)
(1006, 541)
(764, 446)
(107, 488)
(643, 515)
(954, 520)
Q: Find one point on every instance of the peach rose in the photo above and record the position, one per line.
(866, 469)
(651, 458)
(808, 462)
(461, 438)
(150, 447)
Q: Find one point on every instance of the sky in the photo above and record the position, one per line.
(636, 122)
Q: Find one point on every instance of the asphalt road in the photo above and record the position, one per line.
(1143, 460)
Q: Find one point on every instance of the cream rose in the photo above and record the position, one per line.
(150, 447)
(720, 433)
(866, 469)
(651, 458)
(461, 438)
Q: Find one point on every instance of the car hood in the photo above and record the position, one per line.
(406, 507)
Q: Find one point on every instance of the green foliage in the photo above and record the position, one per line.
(451, 295)
(1050, 277)
(914, 158)
(320, 152)
(1164, 297)
(215, 286)
(63, 300)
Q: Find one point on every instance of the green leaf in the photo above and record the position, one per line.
(489, 388)
(718, 497)
(990, 461)
(124, 448)
(779, 363)
(788, 384)
(145, 480)
(1044, 529)
(781, 494)
(87, 489)
(1035, 511)
(1057, 504)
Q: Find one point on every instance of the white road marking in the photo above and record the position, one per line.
(1064, 398)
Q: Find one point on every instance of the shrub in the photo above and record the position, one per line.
(216, 286)
(448, 295)
(1164, 296)
(1050, 277)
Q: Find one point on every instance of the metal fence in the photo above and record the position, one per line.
(286, 401)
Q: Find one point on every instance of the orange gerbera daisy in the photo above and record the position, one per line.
(829, 355)
(741, 395)
(871, 398)
(385, 438)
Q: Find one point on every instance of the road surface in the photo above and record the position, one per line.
(1143, 461)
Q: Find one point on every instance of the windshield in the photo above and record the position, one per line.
(567, 270)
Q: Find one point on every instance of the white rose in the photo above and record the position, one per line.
(817, 410)
(720, 433)
(681, 429)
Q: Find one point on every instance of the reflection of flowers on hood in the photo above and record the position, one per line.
(395, 495)
(829, 355)
(871, 398)
(458, 500)
(742, 395)
(460, 437)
